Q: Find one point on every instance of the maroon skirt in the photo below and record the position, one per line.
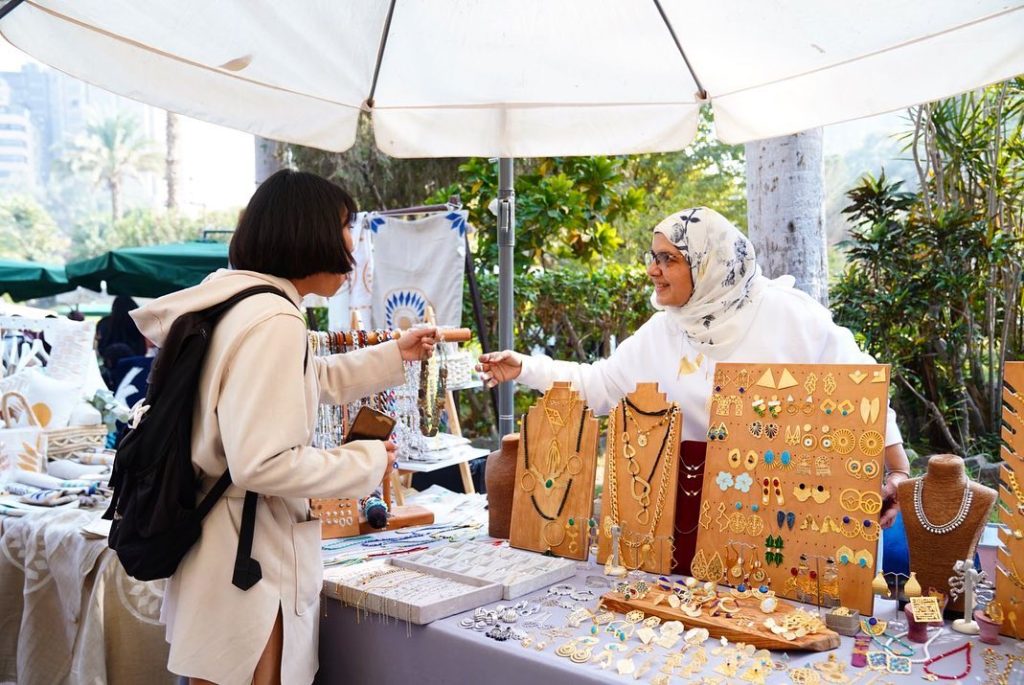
(688, 496)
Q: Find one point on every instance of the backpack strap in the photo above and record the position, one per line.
(247, 570)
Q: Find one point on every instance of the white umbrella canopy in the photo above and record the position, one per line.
(527, 78)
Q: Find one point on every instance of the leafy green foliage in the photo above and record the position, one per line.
(28, 232)
(933, 282)
(96, 234)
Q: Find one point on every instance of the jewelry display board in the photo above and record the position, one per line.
(518, 572)
(406, 594)
(640, 476)
(746, 625)
(793, 479)
(1010, 568)
(555, 470)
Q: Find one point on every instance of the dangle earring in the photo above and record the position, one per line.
(736, 570)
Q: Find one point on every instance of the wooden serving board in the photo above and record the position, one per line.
(830, 419)
(647, 531)
(760, 637)
(553, 497)
(1009, 594)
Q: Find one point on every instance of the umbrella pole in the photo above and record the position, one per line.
(506, 241)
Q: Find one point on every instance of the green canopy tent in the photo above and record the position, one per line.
(29, 280)
(149, 271)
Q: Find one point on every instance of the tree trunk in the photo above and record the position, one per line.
(172, 168)
(114, 186)
(268, 158)
(786, 209)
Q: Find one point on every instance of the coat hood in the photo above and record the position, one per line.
(155, 319)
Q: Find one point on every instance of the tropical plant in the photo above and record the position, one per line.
(934, 277)
(112, 150)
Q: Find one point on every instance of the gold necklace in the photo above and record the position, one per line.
(633, 464)
(557, 421)
(1011, 479)
(643, 545)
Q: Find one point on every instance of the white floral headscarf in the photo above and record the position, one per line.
(727, 282)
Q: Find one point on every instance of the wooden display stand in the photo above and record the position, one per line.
(758, 636)
(1010, 556)
(555, 469)
(641, 473)
(797, 483)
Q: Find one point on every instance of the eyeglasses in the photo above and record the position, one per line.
(663, 259)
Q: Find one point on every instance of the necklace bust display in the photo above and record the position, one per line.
(944, 514)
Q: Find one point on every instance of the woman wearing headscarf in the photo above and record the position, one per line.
(715, 306)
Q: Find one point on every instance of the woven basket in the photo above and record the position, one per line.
(61, 442)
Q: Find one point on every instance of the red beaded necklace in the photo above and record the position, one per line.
(963, 674)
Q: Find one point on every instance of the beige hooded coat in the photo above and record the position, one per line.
(256, 414)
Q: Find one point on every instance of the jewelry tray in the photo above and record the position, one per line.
(478, 593)
(519, 572)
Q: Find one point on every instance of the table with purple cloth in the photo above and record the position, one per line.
(377, 650)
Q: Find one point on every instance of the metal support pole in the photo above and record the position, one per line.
(506, 242)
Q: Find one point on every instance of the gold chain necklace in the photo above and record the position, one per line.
(633, 464)
(642, 546)
(1011, 479)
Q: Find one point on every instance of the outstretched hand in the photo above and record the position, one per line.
(499, 367)
(417, 344)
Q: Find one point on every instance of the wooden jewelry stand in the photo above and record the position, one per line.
(793, 479)
(1010, 555)
(641, 470)
(555, 469)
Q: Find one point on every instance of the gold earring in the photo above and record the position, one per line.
(801, 492)
(750, 462)
(821, 494)
(734, 458)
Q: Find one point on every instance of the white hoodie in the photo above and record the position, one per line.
(255, 414)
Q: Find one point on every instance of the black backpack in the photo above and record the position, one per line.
(153, 507)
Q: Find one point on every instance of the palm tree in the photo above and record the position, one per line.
(112, 150)
(172, 170)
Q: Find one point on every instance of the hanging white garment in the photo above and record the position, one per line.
(418, 263)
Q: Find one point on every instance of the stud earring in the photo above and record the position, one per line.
(845, 407)
(765, 490)
(801, 492)
(864, 558)
(844, 555)
(750, 461)
(774, 407)
(809, 441)
(771, 430)
(820, 494)
(756, 429)
(734, 458)
(769, 459)
(779, 499)
(758, 405)
(811, 382)
(822, 466)
(830, 384)
(828, 406)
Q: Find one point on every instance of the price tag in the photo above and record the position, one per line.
(925, 609)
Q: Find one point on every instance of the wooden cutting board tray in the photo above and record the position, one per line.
(760, 637)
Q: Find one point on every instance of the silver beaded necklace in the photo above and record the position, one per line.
(952, 524)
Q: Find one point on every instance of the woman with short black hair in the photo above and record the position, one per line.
(257, 405)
